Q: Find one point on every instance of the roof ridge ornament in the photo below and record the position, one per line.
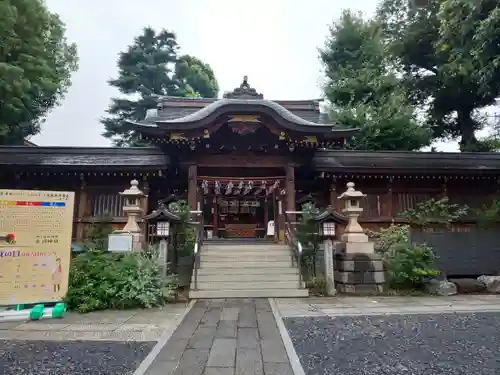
(245, 91)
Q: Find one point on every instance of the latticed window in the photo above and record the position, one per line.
(111, 204)
(406, 201)
(370, 205)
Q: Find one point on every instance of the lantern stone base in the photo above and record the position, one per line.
(360, 273)
(361, 247)
(137, 239)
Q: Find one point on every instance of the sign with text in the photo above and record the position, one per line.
(35, 245)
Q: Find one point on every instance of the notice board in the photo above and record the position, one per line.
(35, 245)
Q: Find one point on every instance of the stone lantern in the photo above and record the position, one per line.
(358, 268)
(132, 208)
(354, 236)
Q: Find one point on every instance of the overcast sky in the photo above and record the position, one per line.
(274, 42)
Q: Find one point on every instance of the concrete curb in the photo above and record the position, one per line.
(287, 341)
(148, 361)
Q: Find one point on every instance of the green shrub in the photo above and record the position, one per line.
(410, 265)
(317, 286)
(386, 238)
(101, 280)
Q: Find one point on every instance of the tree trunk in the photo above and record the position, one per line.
(466, 124)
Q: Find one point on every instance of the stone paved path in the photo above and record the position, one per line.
(109, 325)
(353, 306)
(225, 337)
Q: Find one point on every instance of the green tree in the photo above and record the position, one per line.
(433, 45)
(364, 89)
(150, 68)
(36, 62)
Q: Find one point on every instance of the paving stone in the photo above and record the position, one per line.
(219, 371)
(247, 318)
(268, 329)
(248, 338)
(100, 327)
(162, 368)
(273, 350)
(248, 362)
(41, 327)
(203, 338)
(222, 353)
(262, 304)
(211, 318)
(9, 325)
(226, 328)
(230, 313)
(277, 369)
(193, 362)
(172, 351)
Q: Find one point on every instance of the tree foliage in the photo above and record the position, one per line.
(364, 89)
(439, 48)
(36, 62)
(152, 67)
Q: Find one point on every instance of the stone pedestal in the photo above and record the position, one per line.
(132, 208)
(358, 269)
(359, 273)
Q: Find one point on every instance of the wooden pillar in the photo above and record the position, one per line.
(444, 188)
(290, 188)
(145, 201)
(192, 188)
(389, 200)
(81, 209)
(215, 211)
(333, 196)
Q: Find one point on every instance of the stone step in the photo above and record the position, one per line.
(236, 277)
(248, 293)
(242, 285)
(243, 264)
(249, 271)
(232, 257)
(244, 251)
(245, 247)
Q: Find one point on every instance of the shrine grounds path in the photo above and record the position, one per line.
(310, 336)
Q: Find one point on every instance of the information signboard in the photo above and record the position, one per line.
(35, 245)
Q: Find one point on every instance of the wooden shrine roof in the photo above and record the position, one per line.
(406, 161)
(181, 114)
(83, 157)
(172, 107)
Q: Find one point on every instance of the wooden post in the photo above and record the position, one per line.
(333, 195)
(145, 189)
(215, 218)
(192, 188)
(444, 188)
(82, 207)
(290, 188)
(389, 199)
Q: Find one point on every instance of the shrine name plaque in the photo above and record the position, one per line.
(35, 245)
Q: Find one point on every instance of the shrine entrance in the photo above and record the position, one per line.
(239, 207)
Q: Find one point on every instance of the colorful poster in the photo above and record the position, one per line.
(35, 245)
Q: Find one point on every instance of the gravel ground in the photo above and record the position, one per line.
(451, 344)
(75, 358)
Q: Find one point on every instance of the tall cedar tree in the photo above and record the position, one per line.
(365, 92)
(437, 47)
(151, 67)
(36, 63)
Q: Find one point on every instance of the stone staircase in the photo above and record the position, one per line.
(233, 270)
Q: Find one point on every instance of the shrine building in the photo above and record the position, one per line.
(244, 160)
